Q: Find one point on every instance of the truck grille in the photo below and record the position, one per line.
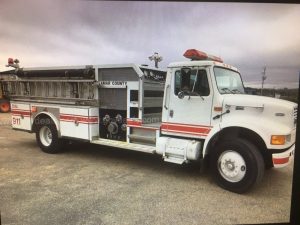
(295, 115)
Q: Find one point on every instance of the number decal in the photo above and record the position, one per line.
(16, 121)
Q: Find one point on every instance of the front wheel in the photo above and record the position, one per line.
(237, 165)
(47, 137)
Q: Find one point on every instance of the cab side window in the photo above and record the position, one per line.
(194, 84)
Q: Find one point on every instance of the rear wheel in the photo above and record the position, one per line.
(47, 136)
(4, 106)
(237, 165)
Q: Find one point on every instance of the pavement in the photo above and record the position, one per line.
(91, 184)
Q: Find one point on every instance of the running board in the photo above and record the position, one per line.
(125, 145)
(174, 160)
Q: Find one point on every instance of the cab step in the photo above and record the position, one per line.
(174, 160)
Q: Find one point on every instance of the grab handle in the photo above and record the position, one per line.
(167, 96)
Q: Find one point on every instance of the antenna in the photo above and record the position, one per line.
(263, 78)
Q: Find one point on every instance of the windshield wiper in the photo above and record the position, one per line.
(237, 91)
(227, 89)
(193, 90)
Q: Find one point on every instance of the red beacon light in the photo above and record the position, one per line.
(194, 54)
(10, 61)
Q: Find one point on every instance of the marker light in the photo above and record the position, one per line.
(278, 139)
(218, 109)
(33, 109)
(194, 54)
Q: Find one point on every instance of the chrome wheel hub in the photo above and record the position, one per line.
(45, 136)
(231, 166)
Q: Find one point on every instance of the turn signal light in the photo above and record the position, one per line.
(278, 139)
(33, 109)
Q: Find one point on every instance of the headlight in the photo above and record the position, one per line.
(278, 139)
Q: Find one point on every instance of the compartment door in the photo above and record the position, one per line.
(78, 123)
(21, 116)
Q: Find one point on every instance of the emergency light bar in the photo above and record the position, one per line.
(194, 54)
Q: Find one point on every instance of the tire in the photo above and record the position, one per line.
(268, 162)
(237, 165)
(269, 166)
(4, 106)
(47, 136)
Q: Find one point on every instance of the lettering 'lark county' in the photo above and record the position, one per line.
(120, 83)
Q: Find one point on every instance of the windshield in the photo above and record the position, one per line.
(228, 81)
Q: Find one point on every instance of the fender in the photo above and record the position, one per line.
(264, 130)
(54, 119)
(215, 130)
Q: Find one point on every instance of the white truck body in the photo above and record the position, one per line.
(144, 109)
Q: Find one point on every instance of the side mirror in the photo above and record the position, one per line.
(186, 71)
(181, 95)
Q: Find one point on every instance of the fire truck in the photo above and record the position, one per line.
(196, 110)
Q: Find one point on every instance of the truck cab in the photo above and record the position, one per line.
(239, 135)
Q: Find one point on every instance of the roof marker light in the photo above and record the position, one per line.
(194, 54)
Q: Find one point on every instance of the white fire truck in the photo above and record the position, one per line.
(195, 111)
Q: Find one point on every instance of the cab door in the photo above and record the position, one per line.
(189, 104)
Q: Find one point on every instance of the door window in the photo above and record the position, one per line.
(194, 83)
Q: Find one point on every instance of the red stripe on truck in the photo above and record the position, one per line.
(25, 113)
(79, 119)
(134, 122)
(185, 124)
(186, 129)
(174, 127)
(138, 124)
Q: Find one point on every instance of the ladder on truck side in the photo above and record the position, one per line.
(58, 90)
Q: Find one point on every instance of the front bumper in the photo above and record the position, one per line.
(283, 159)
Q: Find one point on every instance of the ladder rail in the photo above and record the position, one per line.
(71, 89)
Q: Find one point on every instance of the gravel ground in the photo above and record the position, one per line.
(89, 184)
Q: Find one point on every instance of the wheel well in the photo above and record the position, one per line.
(240, 132)
(39, 120)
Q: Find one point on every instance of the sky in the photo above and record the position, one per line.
(248, 36)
